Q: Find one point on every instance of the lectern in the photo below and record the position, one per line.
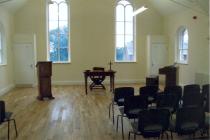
(44, 73)
(171, 75)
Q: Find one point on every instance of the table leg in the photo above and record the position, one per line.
(113, 83)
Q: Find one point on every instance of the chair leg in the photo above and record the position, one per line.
(8, 129)
(15, 127)
(129, 135)
(117, 122)
(110, 109)
(171, 135)
(113, 113)
(122, 127)
(134, 136)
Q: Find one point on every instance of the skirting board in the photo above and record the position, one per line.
(6, 89)
(133, 81)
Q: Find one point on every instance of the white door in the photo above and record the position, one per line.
(158, 57)
(24, 60)
(157, 53)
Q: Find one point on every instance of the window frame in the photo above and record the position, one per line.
(3, 52)
(133, 35)
(48, 35)
(179, 46)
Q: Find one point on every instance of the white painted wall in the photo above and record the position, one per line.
(6, 71)
(198, 30)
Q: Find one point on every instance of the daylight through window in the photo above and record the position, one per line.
(183, 45)
(58, 31)
(125, 46)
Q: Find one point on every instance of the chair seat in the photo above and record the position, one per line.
(190, 126)
(8, 115)
(153, 128)
(133, 113)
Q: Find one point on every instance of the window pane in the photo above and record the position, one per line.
(120, 28)
(183, 55)
(53, 25)
(119, 41)
(64, 54)
(129, 28)
(128, 13)
(54, 54)
(185, 40)
(53, 12)
(53, 40)
(119, 54)
(63, 12)
(120, 13)
(129, 48)
(63, 26)
(63, 40)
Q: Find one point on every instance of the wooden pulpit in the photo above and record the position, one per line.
(171, 75)
(44, 73)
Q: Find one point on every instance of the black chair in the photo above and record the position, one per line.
(188, 121)
(151, 123)
(166, 101)
(192, 96)
(150, 92)
(192, 100)
(132, 106)
(119, 94)
(205, 93)
(177, 92)
(97, 79)
(193, 88)
(6, 117)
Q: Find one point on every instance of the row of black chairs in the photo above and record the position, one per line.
(171, 100)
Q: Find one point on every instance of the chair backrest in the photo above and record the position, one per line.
(166, 100)
(2, 111)
(205, 94)
(192, 100)
(153, 117)
(193, 88)
(176, 91)
(189, 119)
(123, 92)
(98, 68)
(135, 102)
(148, 90)
(205, 90)
(97, 79)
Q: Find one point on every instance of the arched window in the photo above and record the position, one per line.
(124, 38)
(182, 48)
(2, 46)
(58, 31)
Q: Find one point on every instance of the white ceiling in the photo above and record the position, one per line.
(167, 7)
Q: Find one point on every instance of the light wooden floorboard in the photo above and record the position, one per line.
(72, 115)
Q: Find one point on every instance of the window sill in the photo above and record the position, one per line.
(2, 65)
(182, 63)
(61, 62)
(125, 62)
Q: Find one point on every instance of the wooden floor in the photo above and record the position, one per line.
(72, 115)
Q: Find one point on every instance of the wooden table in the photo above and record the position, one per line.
(109, 73)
